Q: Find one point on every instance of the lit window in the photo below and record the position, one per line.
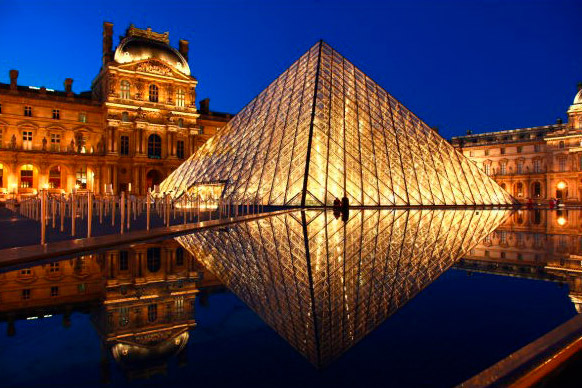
(55, 142)
(55, 177)
(56, 114)
(153, 93)
(27, 140)
(54, 291)
(28, 111)
(54, 267)
(487, 168)
(180, 149)
(83, 117)
(26, 294)
(81, 177)
(180, 98)
(25, 272)
(125, 86)
(26, 175)
(154, 147)
(152, 312)
(124, 146)
(179, 305)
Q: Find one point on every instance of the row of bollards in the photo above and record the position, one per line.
(47, 207)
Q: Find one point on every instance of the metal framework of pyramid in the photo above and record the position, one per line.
(322, 130)
(324, 284)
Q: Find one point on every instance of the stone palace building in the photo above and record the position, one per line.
(136, 125)
(540, 162)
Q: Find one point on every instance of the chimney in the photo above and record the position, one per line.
(69, 86)
(205, 106)
(13, 78)
(469, 132)
(183, 48)
(559, 120)
(107, 42)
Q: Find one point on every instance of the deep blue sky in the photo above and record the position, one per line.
(481, 65)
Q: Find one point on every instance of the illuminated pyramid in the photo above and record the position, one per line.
(323, 129)
(324, 284)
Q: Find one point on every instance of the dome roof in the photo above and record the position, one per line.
(578, 98)
(132, 49)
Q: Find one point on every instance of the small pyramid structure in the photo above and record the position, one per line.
(322, 130)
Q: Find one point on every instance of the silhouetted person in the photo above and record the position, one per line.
(345, 204)
(337, 213)
(345, 215)
(337, 204)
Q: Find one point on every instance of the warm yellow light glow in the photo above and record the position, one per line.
(340, 149)
(45, 186)
(562, 221)
(561, 185)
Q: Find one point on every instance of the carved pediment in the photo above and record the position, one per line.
(154, 66)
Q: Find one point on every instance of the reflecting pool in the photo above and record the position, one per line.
(381, 297)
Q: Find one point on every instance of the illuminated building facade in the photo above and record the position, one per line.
(323, 130)
(540, 162)
(137, 124)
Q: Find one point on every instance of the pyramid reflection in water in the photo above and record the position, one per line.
(323, 128)
(324, 284)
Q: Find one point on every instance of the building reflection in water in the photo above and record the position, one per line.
(536, 244)
(322, 283)
(141, 301)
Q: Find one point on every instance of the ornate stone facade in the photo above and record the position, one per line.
(540, 162)
(129, 132)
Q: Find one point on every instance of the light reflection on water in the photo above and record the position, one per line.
(320, 283)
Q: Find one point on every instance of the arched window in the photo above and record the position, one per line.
(180, 123)
(125, 86)
(154, 147)
(55, 177)
(519, 189)
(124, 116)
(153, 93)
(180, 98)
(26, 176)
(154, 259)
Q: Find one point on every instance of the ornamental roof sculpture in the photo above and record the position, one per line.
(324, 284)
(322, 130)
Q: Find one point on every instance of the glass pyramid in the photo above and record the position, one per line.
(324, 284)
(323, 129)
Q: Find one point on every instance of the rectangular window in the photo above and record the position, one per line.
(201, 130)
(54, 291)
(27, 140)
(26, 272)
(503, 237)
(503, 168)
(179, 305)
(0, 108)
(537, 165)
(487, 168)
(56, 114)
(180, 100)
(28, 111)
(520, 167)
(486, 151)
(55, 142)
(81, 178)
(26, 294)
(152, 312)
(537, 148)
(562, 164)
(1, 143)
(54, 267)
(83, 117)
(502, 255)
(124, 147)
(123, 260)
(180, 149)
(502, 151)
(519, 149)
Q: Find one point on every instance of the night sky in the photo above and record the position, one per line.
(480, 65)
